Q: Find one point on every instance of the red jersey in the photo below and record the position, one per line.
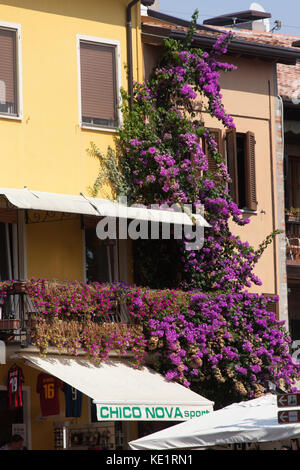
(48, 388)
(15, 379)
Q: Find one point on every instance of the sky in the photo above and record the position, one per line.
(288, 11)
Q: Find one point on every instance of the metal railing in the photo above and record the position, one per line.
(15, 315)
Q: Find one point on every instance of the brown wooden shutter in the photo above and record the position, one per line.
(98, 82)
(217, 136)
(251, 202)
(232, 164)
(8, 98)
(272, 306)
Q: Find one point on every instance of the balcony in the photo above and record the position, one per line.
(32, 311)
(293, 245)
(15, 310)
(292, 222)
(293, 250)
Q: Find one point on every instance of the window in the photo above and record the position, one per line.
(240, 149)
(8, 251)
(10, 86)
(101, 258)
(293, 182)
(99, 83)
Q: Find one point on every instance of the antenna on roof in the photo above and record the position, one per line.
(277, 25)
(266, 22)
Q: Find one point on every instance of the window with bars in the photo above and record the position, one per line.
(99, 84)
(240, 150)
(8, 72)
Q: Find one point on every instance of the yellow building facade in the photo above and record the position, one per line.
(45, 143)
(52, 51)
(44, 146)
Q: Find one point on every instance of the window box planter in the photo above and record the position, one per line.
(10, 324)
(18, 287)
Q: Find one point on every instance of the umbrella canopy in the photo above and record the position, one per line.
(249, 421)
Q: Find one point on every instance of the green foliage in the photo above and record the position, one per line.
(109, 174)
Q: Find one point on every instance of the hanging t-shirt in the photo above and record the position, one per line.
(15, 379)
(73, 401)
(48, 388)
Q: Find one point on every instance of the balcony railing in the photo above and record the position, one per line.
(293, 250)
(15, 312)
(292, 222)
(18, 314)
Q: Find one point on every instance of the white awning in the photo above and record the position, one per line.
(122, 392)
(249, 421)
(80, 204)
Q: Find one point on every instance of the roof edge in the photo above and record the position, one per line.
(278, 54)
(177, 21)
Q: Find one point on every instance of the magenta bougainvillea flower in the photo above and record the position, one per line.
(209, 332)
(224, 333)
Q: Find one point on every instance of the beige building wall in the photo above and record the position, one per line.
(249, 96)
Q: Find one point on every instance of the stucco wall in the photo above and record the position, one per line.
(55, 250)
(249, 96)
(46, 150)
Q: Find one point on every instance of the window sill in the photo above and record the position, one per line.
(11, 117)
(248, 211)
(96, 128)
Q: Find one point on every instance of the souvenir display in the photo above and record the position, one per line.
(100, 436)
(48, 388)
(73, 401)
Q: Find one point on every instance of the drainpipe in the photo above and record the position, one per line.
(129, 45)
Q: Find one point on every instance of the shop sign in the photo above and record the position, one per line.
(288, 399)
(148, 412)
(291, 416)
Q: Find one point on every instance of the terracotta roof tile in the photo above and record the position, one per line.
(268, 38)
(288, 76)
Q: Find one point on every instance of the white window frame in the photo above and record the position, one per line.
(19, 78)
(116, 44)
